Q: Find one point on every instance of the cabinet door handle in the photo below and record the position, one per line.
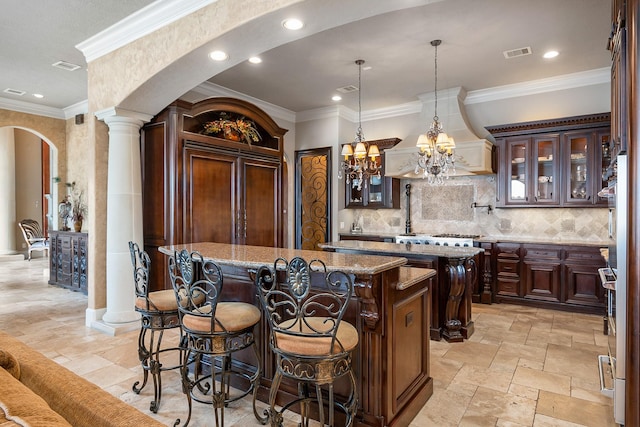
(245, 223)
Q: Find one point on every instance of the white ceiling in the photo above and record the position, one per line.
(303, 74)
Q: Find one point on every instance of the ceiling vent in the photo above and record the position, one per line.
(514, 53)
(65, 65)
(14, 91)
(347, 89)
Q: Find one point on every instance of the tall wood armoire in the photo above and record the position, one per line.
(211, 172)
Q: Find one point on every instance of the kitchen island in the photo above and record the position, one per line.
(391, 311)
(457, 273)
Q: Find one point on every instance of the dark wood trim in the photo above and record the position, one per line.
(552, 125)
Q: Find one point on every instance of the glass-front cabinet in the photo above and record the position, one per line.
(553, 163)
(586, 158)
(534, 170)
(378, 192)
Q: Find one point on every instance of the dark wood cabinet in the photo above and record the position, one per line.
(68, 261)
(548, 275)
(553, 163)
(508, 268)
(200, 186)
(379, 192)
(541, 266)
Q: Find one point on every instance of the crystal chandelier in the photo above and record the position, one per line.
(360, 159)
(436, 156)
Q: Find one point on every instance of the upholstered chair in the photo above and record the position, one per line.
(311, 341)
(33, 236)
(158, 312)
(213, 331)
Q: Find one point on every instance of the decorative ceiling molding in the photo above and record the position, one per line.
(534, 87)
(137, 25)
(81, 107)
(31, 108)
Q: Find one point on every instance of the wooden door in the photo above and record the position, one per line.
(259, 210)
(313, 198)
(211, 197)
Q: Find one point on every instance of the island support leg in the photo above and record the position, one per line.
(457, 276)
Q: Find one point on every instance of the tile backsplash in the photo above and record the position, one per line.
(448, 209)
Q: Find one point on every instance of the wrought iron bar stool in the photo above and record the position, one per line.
(213, 330)
(159, 312)
(308, 336)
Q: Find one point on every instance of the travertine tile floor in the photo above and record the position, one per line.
(522, 366)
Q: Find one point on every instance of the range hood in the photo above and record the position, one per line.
(473, 154)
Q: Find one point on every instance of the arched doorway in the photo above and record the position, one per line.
(27, 187)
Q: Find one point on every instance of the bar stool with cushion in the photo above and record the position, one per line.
(213, 331)
(159, 312)
(311, 342)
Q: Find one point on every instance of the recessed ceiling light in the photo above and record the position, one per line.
(550, 54)
(38, 95)
(255, 60)
(218, 55)
(336, 98)
(292, 24)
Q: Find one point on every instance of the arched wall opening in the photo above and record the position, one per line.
(29, 164)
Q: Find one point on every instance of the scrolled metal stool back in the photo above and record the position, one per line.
(311, 342)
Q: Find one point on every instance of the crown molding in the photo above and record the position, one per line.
(81, 107)
(31, 108)
(534, 87)
(137, 25)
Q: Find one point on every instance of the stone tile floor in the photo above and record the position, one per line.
(522, 366)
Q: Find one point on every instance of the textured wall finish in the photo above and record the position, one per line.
(450, 203)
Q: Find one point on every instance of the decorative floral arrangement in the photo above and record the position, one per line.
(228, 126)
(78, 205)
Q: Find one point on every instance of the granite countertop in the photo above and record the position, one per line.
(402, 249)
(409, 276)
(506, 239)
(256, 256)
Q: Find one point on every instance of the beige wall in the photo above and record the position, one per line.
(28, 161)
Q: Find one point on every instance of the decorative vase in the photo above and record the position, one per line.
(77, 225)
(232, 135)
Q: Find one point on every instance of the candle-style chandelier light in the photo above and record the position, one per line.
(436, 155)
(360, 159)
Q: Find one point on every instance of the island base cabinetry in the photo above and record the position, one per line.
(391, 310)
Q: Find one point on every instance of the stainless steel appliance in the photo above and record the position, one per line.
(614, 280)
(465, 240)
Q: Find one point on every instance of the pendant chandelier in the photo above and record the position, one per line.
(436, 155)
(360, 159)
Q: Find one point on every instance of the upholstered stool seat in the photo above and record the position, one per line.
(213, 331)
(158, 312)
(309, 338)
(308, 344)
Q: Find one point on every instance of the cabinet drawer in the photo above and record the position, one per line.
(543, 253)
(508, 287)
(508, 266)
(591, 255)
(508, 250)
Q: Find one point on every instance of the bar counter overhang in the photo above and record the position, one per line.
(391, 311)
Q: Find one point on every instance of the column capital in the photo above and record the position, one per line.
(117, 114)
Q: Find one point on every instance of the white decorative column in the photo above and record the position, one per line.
(124, 215)
(7, 192)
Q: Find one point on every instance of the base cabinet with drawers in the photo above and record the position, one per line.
(68, 260)
(548, 275)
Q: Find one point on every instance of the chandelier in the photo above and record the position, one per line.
(436, 149)
(360, 159)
